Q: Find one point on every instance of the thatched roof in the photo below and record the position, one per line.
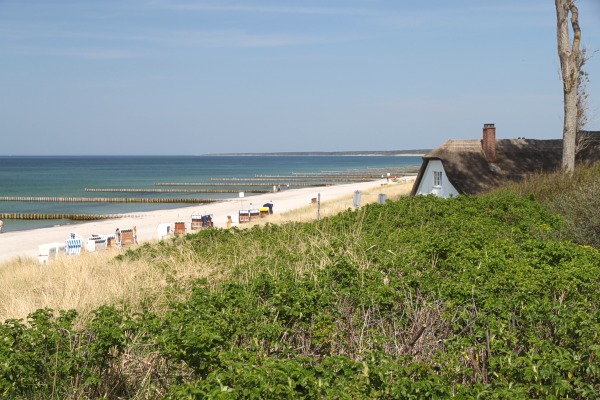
(469, 172)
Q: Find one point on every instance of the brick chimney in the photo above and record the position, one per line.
(488, 143)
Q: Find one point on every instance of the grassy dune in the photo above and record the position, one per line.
(83, 283)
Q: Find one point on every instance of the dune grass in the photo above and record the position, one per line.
(93, 279)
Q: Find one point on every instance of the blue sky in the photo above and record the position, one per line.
(167, 77)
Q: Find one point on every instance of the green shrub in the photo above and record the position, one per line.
(470, 297)
(574, 196)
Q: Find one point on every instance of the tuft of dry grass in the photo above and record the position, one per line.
(65, 283)
(83, 283)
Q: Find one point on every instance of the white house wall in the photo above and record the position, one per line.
(426, 186)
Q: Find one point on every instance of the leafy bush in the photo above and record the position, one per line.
(574, 196)
(418, 298)
(48, 358)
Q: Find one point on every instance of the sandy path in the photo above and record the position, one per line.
(25, 243)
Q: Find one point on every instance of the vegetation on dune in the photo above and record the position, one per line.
(574, 196)
(418, 298)
(90, 280)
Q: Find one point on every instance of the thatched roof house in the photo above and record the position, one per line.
(477, 166)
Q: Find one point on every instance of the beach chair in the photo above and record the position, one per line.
(96, 243)
(196, 222)
(243, 216)
(165, 230)
(49, 251)
(127, 237)
(254, 214)
(73, 245)
(207, 221)
(111, 241)
(179, 228)
(201, 221)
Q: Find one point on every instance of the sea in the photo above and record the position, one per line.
(43, 177)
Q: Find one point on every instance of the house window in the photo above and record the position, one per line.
(437, 178)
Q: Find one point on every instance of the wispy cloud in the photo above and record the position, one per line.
(122, 44)
(77, 52)
(258, 8)
(96, 39)
(232, 38)
(475, 16)
(106, 54)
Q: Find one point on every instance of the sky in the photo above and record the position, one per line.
(189, 77)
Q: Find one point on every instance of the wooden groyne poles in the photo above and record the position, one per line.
(305, 180)
(105, 200)
(124, 190)
(240, 184)
(73, 217)
(301, 175)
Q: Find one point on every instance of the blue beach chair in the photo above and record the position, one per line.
(74, 245)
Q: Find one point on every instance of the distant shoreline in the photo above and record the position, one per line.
(393, 153)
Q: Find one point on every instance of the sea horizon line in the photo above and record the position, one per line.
(408, 153)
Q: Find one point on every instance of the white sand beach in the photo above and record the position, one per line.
(24, 244)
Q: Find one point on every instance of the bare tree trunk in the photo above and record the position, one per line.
(569, 131)
(568, 54)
